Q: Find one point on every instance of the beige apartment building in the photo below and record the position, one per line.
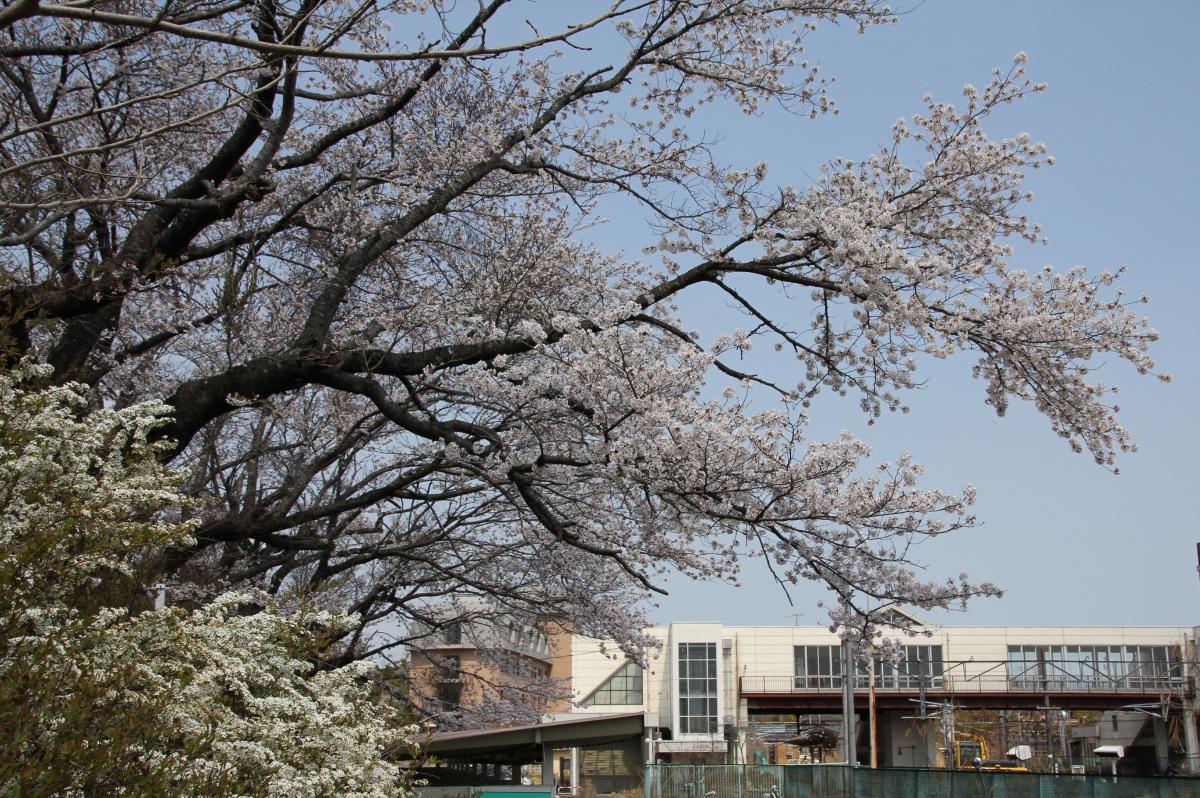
(478, 659)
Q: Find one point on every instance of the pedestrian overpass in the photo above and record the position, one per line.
(972, 684)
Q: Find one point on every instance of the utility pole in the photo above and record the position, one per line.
(848, 730)
(1192, 705)
(1004, 729)
(871, 709)
(1062, 740)
(1049, 732)
(921, 682)
(948, 734)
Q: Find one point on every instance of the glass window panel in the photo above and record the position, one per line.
(698, 686)
(1095, 665)
(623, 687)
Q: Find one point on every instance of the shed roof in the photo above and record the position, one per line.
(585, 730)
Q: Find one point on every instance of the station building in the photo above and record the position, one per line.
(716, 689)
(776, 694)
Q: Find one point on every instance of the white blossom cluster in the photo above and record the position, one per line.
(236, 702)
(236, 682)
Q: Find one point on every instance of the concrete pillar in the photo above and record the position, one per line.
(574, 771)
(907, 742)
(1162, 749)
(931, 743)
(1189, 737)
(548, 766)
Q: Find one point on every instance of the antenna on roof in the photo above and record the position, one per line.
(796, 616)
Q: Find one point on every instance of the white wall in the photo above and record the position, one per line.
(593, 661)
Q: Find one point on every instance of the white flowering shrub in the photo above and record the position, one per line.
(97, 697)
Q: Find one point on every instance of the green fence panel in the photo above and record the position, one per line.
(838, 781)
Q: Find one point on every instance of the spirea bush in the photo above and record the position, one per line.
(101, 695)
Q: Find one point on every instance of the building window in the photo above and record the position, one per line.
(452, 634)
(449, 694)
(449, 685)
(623, 687)
(820, 667)
(1093, 667)
(697, 664)
(920, 662)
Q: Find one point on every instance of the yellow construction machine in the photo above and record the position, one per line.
(970, 753)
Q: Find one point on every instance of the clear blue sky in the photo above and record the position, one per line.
(1071, 543)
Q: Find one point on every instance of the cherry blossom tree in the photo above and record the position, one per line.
(348, 245)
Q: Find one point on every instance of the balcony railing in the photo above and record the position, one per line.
(981, 677)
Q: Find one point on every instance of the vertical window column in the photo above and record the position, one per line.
(697, 679)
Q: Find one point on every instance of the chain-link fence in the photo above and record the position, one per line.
(838, 781)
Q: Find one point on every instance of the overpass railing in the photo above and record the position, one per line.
(977, 677)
